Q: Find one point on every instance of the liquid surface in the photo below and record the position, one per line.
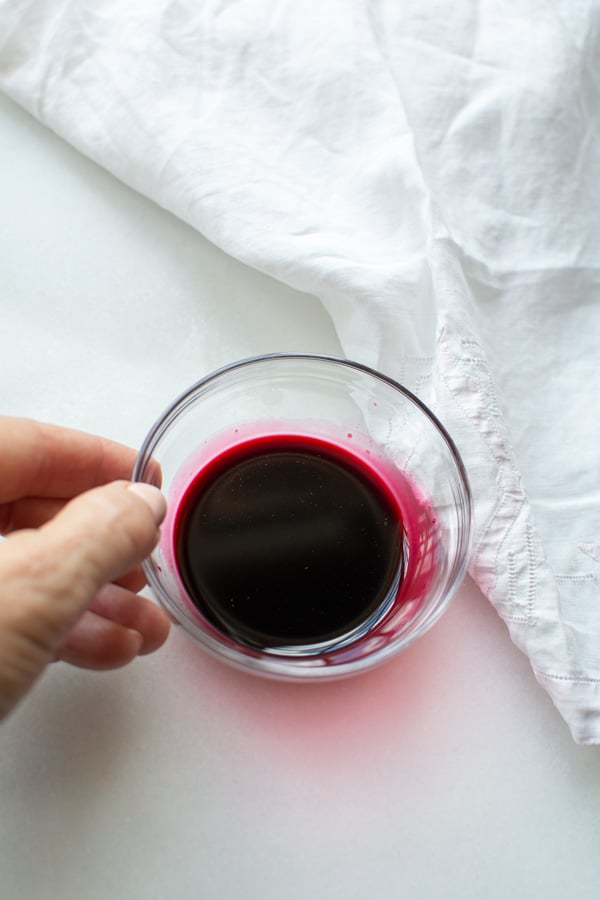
(284, 541)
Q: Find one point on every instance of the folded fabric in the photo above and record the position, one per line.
(431, 171)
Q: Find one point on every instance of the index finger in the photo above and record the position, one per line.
(40, 460)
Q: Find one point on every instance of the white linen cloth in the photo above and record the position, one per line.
(431, 171)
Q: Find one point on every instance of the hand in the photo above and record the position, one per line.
(77, 530)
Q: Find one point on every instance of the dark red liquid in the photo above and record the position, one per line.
(284, 541)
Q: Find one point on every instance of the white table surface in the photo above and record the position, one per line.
(446, 773)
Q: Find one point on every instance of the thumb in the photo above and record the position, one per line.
(50, 575)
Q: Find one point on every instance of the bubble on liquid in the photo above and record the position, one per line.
(349, 434)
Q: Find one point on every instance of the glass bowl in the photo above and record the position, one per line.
(371, 431)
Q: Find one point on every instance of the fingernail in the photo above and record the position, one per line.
(136, 639)
(152, 497)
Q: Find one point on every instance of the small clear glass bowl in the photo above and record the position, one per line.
(369, 416)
